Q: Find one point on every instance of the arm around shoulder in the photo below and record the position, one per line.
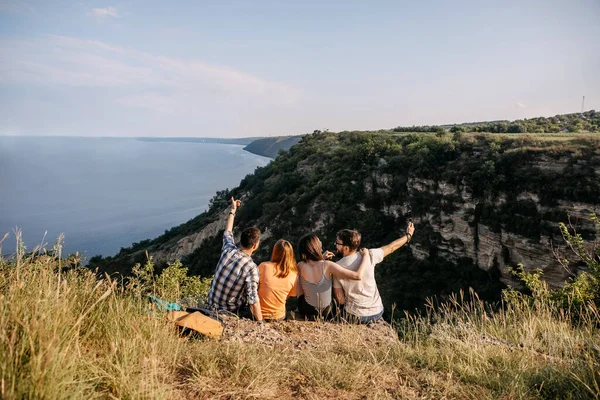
(343, 273)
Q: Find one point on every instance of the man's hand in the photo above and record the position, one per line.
(396, 244)
(410, 228)
(234, 204)
(363, 252)
(328, 255)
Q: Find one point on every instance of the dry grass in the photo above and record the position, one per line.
(74, 335)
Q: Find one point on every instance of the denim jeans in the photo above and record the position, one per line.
(363, 320)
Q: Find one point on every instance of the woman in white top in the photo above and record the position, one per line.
(315, 277)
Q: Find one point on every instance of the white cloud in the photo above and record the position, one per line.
(105, 12)
(521, 105)
(150, 81)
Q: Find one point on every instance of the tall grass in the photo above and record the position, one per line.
(67, 333)
(524, 349)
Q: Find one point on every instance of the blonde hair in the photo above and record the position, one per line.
(283, 257)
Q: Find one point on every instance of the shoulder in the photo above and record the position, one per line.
(265, 266)
(348, 260)
(248, 263)
(377, 255)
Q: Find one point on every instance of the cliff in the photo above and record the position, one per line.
(270, 147)
(481, 205)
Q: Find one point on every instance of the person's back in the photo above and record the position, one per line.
(277, 280)
(362, 297)
(316, 286)
(235, 284)
(235, 275)
(273, 291)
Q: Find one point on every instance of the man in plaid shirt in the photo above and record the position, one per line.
(236, 277)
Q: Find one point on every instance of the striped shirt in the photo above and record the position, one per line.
(236, 278)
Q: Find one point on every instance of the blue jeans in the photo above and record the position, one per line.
(363, 320)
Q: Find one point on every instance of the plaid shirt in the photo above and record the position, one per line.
(236, 273)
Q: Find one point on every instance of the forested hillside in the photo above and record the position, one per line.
(481, 204)
(588, 121)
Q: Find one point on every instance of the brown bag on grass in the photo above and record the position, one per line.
(198, 322)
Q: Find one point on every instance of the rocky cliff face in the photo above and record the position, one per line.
(189, 243)
(460, 234)
(454, 235)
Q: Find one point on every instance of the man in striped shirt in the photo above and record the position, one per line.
(236, 277)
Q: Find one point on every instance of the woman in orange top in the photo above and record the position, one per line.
(277, 280)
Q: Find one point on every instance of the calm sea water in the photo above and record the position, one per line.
(106, 193)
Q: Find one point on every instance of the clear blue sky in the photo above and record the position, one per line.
(260, 68)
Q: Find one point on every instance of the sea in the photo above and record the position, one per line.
(106, 193)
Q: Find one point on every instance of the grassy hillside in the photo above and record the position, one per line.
(66, 333)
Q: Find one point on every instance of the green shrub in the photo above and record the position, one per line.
(581, 290)
(172, 284)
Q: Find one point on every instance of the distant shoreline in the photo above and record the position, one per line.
(240, 141)
(263, 146)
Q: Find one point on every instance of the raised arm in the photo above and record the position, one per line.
(396, 244)
(343, 273)
(234, 205)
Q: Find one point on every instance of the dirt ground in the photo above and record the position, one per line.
(301, 334)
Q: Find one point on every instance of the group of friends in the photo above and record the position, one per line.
(241, 287)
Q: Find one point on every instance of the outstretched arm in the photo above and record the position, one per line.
(396, 244)
(234, 205)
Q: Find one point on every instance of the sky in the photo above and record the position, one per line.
(267, 68)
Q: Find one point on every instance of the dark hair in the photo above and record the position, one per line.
(350, 238)
(250, 237)
(309, 248)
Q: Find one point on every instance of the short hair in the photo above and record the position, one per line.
(350, 238)
(250, 237)
(310, 248)
(283, 257)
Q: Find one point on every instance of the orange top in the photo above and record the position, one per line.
(274, 291)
